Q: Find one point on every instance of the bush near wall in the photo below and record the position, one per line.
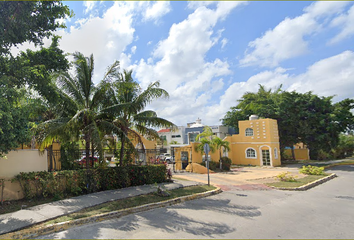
(76, 182)
(215, 166)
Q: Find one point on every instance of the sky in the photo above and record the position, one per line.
(208, 54)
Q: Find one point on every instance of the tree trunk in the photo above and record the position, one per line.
(87, 139)
(122, 140)
(220, 160)
(293, 153)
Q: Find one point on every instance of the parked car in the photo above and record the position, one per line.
(92, 161)
(166, 157)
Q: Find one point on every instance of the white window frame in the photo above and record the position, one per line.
(255, 153)
(249, 132)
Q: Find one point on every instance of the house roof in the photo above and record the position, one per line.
(164, 130)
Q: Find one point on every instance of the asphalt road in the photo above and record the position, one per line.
(326, 211)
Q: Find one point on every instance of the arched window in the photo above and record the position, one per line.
(249, 132)
(275, 153)
(250, 153)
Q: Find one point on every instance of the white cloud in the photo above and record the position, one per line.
(133, 49)
(106, 38)
(89, 5)
(287, 39)
(346, 23)
(157, 10)
(224, 41)
(183, 69)
(327, 77)
(197, 4)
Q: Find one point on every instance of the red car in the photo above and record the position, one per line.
(82, 162)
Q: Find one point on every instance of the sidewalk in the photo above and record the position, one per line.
(24, 218)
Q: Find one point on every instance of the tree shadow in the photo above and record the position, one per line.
(11, 224)
(171, 220)
(344, 168)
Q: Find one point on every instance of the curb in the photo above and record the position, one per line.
(309, 185)
(32, 233)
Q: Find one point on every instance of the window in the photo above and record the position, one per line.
(249, 132)
(163, 138)
(275, 153)
(250, 153)
(192, 136)
(176, 136)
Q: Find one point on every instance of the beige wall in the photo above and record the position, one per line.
(22, 161)
(25, 160)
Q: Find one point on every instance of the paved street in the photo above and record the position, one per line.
(325, 211)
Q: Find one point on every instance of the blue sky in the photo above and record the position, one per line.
(208, 54)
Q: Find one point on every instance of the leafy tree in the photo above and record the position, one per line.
(21, 22)
(345, 147)
(128, 102)
(29, 21)
(82, 108)
(307, 118)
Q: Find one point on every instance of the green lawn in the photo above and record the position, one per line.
(131, 202)
(299, 182)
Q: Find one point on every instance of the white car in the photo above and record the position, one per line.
(166, 157)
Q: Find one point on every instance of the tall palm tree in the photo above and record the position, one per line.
(128, 102)
(83, 110)
(219, 144)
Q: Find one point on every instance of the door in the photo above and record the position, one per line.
(266, 157)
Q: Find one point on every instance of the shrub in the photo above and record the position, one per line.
(286, 177)
(76, 182)
(312, 170)
(226, 163)
(212, 165)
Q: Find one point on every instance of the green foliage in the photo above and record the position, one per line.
(69, 152)
(26, 21)
(226, 163)
(212, 165)
(77, 182)
(29, 21)
(302, 117)
(286, 177)
(345, 147)
(312, 170)
(128, 102)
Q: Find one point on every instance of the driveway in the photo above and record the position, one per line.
(241, 178)
(325, 211)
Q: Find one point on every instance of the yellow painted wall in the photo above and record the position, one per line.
(300, 154)
(265, 137)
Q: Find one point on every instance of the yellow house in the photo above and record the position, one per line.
(256, 144)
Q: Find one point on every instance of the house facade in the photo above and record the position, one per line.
(256, 144)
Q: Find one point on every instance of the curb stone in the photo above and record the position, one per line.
(309, 185)
(32, 233)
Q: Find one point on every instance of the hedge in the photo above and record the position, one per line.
(76, 182)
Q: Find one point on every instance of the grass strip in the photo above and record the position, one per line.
(131, 202)
(299, 182)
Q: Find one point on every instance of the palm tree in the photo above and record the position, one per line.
(219, 144)
(83, 111)
(128, 102)
(206, 137)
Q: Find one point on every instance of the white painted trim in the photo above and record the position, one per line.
(255, 153)
(270, 155)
